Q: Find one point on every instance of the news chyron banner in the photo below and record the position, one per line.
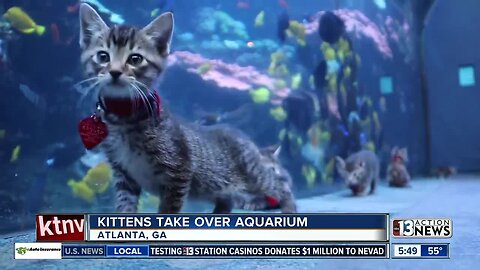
(61, 236)
(208, 236)
(214, 228)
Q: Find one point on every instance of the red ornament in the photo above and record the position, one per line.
(272, 202)
(92, 131)
(397, 158)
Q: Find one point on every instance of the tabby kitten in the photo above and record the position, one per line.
(360, 171)
(149, 149)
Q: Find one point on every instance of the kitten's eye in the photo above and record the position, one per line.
(135, 59)
(103, 57)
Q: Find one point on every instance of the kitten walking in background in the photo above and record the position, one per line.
(397, 172)
(148, 148)
(360, 172)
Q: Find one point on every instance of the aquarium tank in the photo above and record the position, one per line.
(252, 107)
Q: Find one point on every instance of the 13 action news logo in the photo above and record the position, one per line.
(425, 227)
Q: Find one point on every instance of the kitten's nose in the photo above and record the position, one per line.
(115, 74)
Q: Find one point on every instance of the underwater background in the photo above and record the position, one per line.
(320, 78)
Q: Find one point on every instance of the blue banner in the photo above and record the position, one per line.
(206, 251)
(238, 221)
(127, 251)
(435, 250)
(79, 251)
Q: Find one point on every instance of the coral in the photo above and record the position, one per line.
(186, 37)
(232, 44)
(211, 21)
(250, 59)
(359, 24)
(226, 75)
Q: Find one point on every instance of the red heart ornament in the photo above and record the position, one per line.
(92, 131)
(272, 202)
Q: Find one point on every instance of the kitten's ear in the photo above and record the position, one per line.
(272, 151)
(340, 163)
(404, 152)
(90, 24)
(161, 30)
(394, 150)
(277, 151)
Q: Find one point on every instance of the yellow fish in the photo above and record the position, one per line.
(278, 113)
(22, 22)
(297, 30)
(343, 45)
(332, 83)
(296, 81)
(260, 95)
(324, 46)
(347, 72)
(370, 146)
(98, 178)
(330, 54)
(15, 154)
(325, 136)
(154, 12)
(204, 68)
(260, 19)
(81, 190)
(310, 175)
(277, 57)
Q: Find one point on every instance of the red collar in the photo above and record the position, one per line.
(126, 107)
(93, 130)
(397, 158)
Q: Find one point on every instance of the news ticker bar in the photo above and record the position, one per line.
(200, 251)
(431, 251)
(215, 228)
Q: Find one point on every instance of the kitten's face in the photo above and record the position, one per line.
(269, 159)
(356, 174)
(351, 173)
(124, 60)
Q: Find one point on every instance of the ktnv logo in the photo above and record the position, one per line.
(60, 227)
(422, 227)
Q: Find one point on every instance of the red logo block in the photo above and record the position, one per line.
(396, 227)
(60, 228)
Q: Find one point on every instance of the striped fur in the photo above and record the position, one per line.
(160, 154)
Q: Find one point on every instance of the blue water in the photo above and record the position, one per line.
(223, 54)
